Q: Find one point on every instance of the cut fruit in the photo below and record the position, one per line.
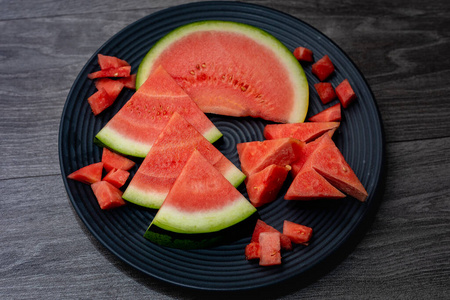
(325, 91)
(129, 82)
(110, 62)
(299, 234)
(264, 186)
(303, 54)
(252, 251)
(331, 114)
(257, 155)
(309, 185)
(107, 195)
(112, 72)
(305, 132)
(112, 160)
(133, 130)
(99, 101)
(323, 68)
(234, 69)
(345, 93)
(117, 177)
(262, 226)
(213, 205)
(88, 174)
(166, 159)
(269, 244)
(112, 87)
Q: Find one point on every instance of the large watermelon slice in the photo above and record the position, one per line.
(232, 69)
(165, 160)
(133, 130)
(200, 205)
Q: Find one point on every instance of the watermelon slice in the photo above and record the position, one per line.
(201, 201)
(232, 69)
(264, 186)
(88, 174)
(165, 160)
(257, 155)
(331, 114)
(305, 132)
(133, 130)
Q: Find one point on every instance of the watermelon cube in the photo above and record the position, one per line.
(112, 72)
(112, 87)
(299, 234)
(100, 101)
(88, 174)
(331, 114)
(325, 91)
(112, 160)
(269, 243)
(107, 195)
(117, 177)
(345, 93)
(303, 54)
(109, 62)
(252, 251)
(323, 68)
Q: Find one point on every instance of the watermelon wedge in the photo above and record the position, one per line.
(305, 132)
(89, 174)
(201, 201)
(257, 155)
(232, 69)
(165, 160)
(330, 114)
(133, 130)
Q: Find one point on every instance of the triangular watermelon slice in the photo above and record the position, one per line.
(165, 160)
(305, 132)
(201, 201)
(133, 130)
(257, 155)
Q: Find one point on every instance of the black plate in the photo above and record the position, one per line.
(336, 224)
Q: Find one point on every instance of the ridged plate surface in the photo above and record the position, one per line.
(336, 225)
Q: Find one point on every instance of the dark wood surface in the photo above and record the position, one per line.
(401, 47)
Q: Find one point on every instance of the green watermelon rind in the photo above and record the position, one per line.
(171, 219)
(154, 199)
(286, 57)
(109, 138)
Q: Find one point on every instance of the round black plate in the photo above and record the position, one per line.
(336, 223)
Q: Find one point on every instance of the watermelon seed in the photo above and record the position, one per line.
(203, 65)
(192, 72)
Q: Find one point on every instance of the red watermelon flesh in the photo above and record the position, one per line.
(88, 174)
(264, 186)
(329, 162)
(310, 185)
(298, 233)
(166, 159)
(136, 126)
(112, 160)
(201, 200)
(112, 87)
(252, 251)
(110, 62)
(305, 132)
(112, 72)
(262, 226)
(303, 156)
(269, 245)
(100, 100)
(117, 177)
(331, 114)
(107, 195)
(257, 155)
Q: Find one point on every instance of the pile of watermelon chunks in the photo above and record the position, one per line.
(306, 150)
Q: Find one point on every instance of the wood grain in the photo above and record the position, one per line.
(401, 47)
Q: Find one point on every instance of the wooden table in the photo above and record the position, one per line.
(402, 48)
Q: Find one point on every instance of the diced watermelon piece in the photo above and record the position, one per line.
(310, 185)
(331, 114)
(262, 226)
(325, 91)
(323, 68)
(263, 186)
(112, 160)
(112, 72)
(99, 101)
(129, 82)
(285, 242)
(305, 132)
(117, 177)
(257, 155)
(88, 174)
(252, 251)
(108, 196)
(345, 93)
(299, 234)
(112, 87)
(304, 155)
(269, 244)
(109, 62)
(303, 54)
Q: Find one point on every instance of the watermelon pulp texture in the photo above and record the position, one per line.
(297, 233)
(305, 132)
(270, 249)
(234, 69)
(133, 130)
(213, 203)
(330, 114)
(107, 195)
(165, 160)
(345, 93)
